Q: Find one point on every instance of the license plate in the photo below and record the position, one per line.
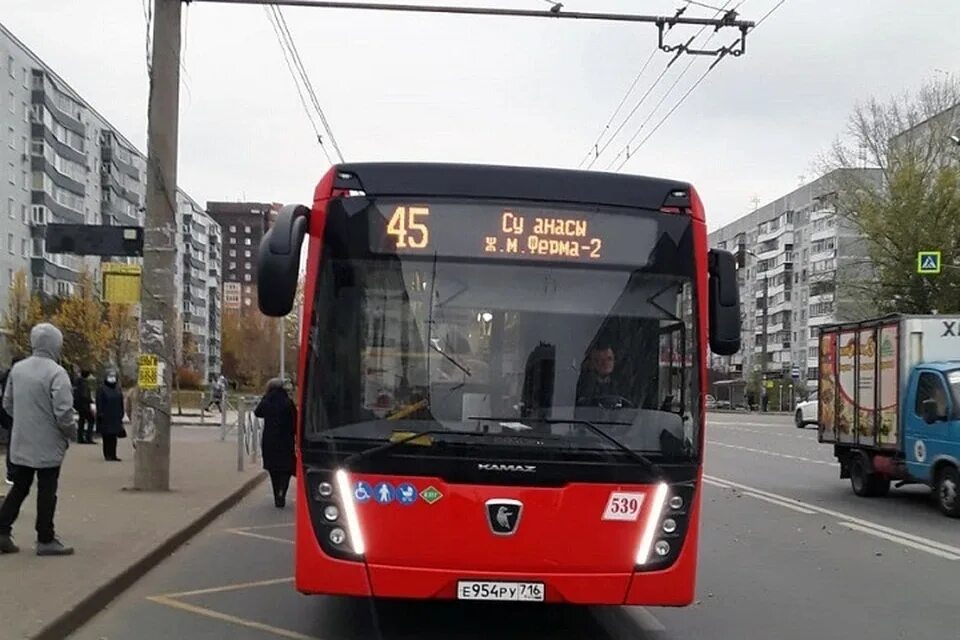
(507, 591)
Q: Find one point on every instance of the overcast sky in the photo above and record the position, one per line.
(496, 90)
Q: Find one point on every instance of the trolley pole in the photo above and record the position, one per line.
(157, 330)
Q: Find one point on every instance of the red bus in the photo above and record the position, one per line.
(501, 381)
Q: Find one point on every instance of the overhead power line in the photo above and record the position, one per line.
(296, 82)
(305, 77)
(668, 114)
(688, 92)
(596, 151)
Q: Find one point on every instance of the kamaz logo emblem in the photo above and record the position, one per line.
(515, 468)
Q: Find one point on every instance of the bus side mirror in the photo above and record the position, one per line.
(724, 311)
(278, 261)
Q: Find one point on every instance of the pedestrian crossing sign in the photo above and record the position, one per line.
(928, 262)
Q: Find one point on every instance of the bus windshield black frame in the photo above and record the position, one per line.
(451, 339)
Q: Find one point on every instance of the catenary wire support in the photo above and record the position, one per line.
(663, 23)
(729, 19)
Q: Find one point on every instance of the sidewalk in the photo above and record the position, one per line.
(114, 530)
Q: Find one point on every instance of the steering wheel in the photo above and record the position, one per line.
(612, 401)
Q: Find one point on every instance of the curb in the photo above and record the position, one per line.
(86, 609)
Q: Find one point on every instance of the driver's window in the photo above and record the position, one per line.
(930, 387)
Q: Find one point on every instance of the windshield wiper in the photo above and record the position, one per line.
(388, 446)
(451, 359)
(651, 466)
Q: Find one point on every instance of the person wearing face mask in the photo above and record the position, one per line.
(110, 415)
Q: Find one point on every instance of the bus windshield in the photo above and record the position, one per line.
(421, 342)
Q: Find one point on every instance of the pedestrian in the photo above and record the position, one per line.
(110, 412)
(216, 394)
(84, 406)
(38, 395)
(279, 425)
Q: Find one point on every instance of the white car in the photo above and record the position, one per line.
(807, 411)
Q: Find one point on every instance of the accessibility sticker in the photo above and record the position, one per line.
(431, 494)
(383, 493)
(362, 492)
(406, 494)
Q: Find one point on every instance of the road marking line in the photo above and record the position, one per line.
(933, 544)
(779, 503)
(765, 432)
(769, 453)
(263, 526)
(723, 485)
(224, 617)
(228, 587)
(259, 536)
(900, 540)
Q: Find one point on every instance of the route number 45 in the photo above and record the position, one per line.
(407, 227)
(623, 506)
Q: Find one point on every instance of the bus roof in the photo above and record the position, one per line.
(511, 183)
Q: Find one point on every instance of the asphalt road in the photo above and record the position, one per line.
(787, 552)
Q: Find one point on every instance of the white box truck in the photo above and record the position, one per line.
(889, 403)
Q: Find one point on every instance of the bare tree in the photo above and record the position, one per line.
(910, 202)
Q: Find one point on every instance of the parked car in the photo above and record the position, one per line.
(711, 402)
(807, 411)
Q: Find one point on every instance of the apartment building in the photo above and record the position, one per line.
(198, 287)
(800, 265)
(243, 225)
(61, 161)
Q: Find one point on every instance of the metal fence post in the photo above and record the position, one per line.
(223, 418)
(241, 414)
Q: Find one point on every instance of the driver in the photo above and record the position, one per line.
(597, 380)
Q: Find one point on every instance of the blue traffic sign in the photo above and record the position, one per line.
(383, 493)
(406, 494)
(928, 262)
(362, 492)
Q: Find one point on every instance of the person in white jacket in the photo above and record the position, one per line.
(39, 396)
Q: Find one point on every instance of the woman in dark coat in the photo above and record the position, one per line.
(279, 424)
(110, 415)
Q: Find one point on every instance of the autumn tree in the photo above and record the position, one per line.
(911, 202)
(86, 336)
(250, 348)
(23, 312)
(122, 339)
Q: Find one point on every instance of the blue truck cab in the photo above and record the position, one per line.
(889, 403)
(931, 419)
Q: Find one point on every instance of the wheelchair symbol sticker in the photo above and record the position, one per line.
(362, 492)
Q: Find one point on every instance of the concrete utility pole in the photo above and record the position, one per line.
(157, 330)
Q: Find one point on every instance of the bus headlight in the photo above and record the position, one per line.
(337, 536)
(669, 525)
(324, 489)
(662, 548)
(676, 503)
(331, 513)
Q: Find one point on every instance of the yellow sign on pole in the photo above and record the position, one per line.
(147, 372)
(121, 282)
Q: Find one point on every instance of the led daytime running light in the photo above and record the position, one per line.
(652, 523)
(350, 507)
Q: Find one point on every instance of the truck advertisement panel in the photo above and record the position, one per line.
(865, 374)
(846, 386)
(889, 387)
(827, 389)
